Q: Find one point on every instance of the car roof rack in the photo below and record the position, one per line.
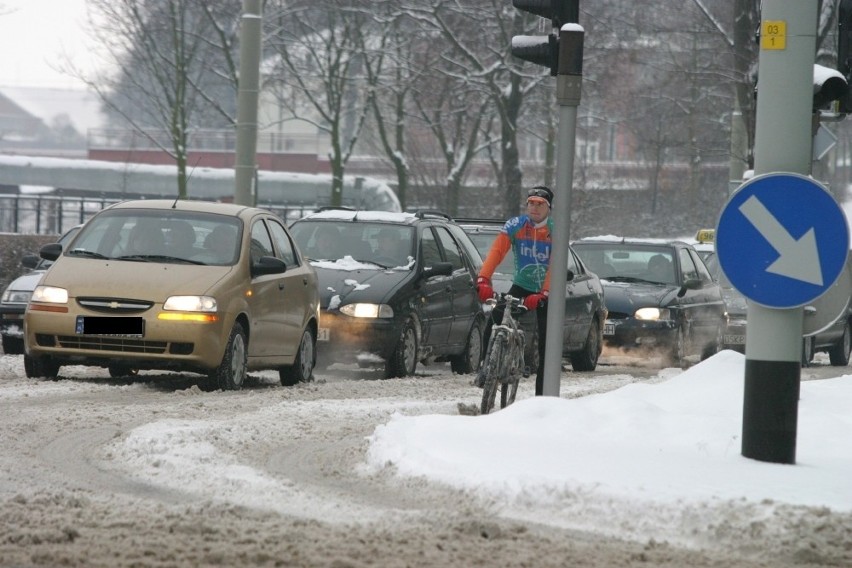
(335, 208)
(481, 221)
(423, 213)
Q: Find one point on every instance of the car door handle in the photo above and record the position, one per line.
(281, 285)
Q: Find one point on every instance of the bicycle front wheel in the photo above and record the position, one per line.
(509, 387)
(495, 366)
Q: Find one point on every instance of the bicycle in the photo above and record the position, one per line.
(504, 357)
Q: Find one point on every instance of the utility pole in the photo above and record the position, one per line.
(563, 54)
(782, 240)
(245, 170)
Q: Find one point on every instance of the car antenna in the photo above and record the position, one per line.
(192, 171)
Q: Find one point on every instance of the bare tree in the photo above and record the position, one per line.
(319, 71)
(480, 53)
(164, 55)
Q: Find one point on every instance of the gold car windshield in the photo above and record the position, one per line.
(160, 236)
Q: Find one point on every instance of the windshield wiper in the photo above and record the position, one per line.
(631, 279)
(366, 261)
(84, 252)
(158, 258)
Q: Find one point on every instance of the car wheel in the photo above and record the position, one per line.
(676, 354)
(531, 355)
(587, 358)
(403, 360)
(13, 345)
(712, 348)
(35, 368)
(302, 369)
(469, 360)
(231, 372)
(122, 371)
(839, 354)
(807, 351)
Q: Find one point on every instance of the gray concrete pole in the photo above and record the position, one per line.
(568, 89)
(782, 144)
(245, 192)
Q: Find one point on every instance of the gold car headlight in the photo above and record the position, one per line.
(189, 308)
(652, 314)
(190, 304)
(50, 295)
(367, 310)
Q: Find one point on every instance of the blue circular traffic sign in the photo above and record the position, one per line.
(782, 240)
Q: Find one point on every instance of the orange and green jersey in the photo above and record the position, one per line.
(531, 246)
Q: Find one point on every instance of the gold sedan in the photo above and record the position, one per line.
(212, 288)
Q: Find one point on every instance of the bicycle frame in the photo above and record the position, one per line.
(504, 358)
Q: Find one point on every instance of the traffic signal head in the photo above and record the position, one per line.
(829, 85)
(560, 12)
(540, 50)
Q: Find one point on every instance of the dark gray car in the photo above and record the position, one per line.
(659, 294)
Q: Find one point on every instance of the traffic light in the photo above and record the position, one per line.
(544, 50)
(844, 46)
(829, 86)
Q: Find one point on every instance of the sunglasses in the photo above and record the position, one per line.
(539, 193)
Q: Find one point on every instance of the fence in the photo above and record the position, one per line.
(55, 214)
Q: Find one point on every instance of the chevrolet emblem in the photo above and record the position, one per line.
(113, 305)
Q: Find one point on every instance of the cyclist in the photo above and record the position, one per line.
(529, 236)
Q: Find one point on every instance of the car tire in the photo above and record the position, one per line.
(231, 372)
(471, 357)
(712, 348)
(403, 360)
(13, 345)
(302, 369)
(121, 371)
(676, 353)
(587, 358)
(807, 351)
(838, 355)
(38, 368)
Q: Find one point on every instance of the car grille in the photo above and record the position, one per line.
(115, 305)
(121, 344)
(617, 316)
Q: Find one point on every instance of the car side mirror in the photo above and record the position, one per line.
(438, 269)
(30, 260)
(268, 265)
(691, 284)
(570, 275)
(50, 251)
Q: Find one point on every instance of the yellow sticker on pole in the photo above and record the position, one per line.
(773, 34)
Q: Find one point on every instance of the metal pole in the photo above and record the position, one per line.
(568, 88)
(249, 85)
(782, 144)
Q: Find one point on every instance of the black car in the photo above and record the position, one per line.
(395, 289)
(585, 312)
(834, 338)
(659, 294)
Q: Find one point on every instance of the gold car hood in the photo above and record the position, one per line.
(153, 281)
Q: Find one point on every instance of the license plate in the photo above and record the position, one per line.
(609, 329)
(119, 325)
(734, 339)
(323, 334)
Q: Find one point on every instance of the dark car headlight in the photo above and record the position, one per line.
(367, 310)
(652, 314)
(16, 296)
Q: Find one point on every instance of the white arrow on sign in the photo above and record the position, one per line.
(797, 259)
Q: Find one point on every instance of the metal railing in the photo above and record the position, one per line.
(55, 214)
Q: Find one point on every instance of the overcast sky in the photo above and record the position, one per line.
(35, 36)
